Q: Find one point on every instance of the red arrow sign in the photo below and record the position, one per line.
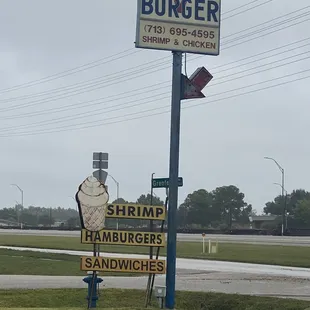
(192, 87)
(201, 77)
(190, 91)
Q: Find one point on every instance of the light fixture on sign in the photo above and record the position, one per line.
(92, 198)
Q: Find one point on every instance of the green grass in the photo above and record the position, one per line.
(248, 253)
(134, 299)
(35, 263)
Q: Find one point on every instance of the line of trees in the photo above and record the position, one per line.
(297, 208)
(36, 216)
(222, 208)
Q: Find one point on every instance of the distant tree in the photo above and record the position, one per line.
(8, 214)
(272, 225)
(182, 217)
(28, 218)
(229, 204)
(146, 200)
(302, 213)
(276, 206)
(19, 208)
(294, 199)
(62, 214)
(73, 222)
(253, 213)
(197, 209)
(120, 201)
(46, 220)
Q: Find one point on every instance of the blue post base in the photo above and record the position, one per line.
(92, 296)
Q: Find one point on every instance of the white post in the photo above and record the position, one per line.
(209, 246)
(203, 245)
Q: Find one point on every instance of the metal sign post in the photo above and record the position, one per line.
(181, 27)
(100, 161)
(173, 177)
(92, 199)
(151, 228)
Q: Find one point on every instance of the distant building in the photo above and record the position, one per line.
(257, 221)
(58, 224)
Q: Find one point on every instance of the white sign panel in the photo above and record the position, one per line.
(191, 26)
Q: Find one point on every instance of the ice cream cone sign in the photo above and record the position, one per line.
(92, 198)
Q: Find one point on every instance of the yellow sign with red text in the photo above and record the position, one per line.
(132, 265)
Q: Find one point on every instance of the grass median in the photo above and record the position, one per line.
(134, 300)
(49, 264)
(294, 256)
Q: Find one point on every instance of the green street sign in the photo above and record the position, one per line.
(164, 182)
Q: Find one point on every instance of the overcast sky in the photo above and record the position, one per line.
(223, 142)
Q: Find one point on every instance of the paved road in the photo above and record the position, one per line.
(271, 240)
(204, 282)
(192, 275)
(198, 265)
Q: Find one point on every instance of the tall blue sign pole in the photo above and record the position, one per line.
(173, 177)
(180, 26)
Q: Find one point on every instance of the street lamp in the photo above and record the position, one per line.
(282, 187)
(22, 196)
(117, 194)
(285, 203)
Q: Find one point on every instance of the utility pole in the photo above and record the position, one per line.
(22, 200)
(285, 202)
(283, 199)
(50, 217)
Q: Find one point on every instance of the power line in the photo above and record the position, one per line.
(72, 106)
(268, 27)
(240, 7)
(262, 65)
(121, 72)
(81, 68)
(249, 9)
(159, 113)
(142, 90)
(95, 112)
(263, 53)
(118, 80)
(261, 36)
(269, 21)
(65, 119)
(85, 83)
(89, 65)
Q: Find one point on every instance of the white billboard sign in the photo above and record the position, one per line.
(191, 26)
